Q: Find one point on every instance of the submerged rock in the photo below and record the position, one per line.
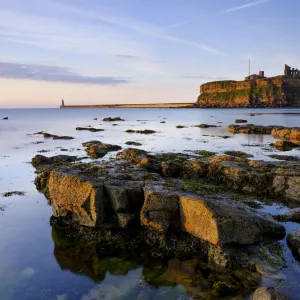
(41, 160)
(5, 118)
(206, 126)
(89, 129)
(145, 131)
(251, 129)
(133, 143)
(285, 145)
(240, 121)
(269, 293)
(54, 136)
(109, 119)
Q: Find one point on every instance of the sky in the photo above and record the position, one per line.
(138, 51)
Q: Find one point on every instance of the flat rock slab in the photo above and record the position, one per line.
(223, 221)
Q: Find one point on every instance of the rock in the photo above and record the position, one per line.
(251, 129)
(95, 119)
(269, 293)
(54, 136)
(225, 137)
(91, 143)
(170, 169)
(252, 115)
(285, 145)
(206, 126)
(287, 186)
(194, 169)
(133, 143)
(160, 211)
(41, 160)
(5, 118)
(222, 222)
(237, 154)
(95, 152)
(240, 121)
(162, 122)
(135, 156)
(74, 194)
(145, 131)
(285, 157)
(293, 240)
(180, 126)
(89, 129)
(284, 133)
(112, 119)
(124, 195)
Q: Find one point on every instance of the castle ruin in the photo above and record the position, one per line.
(288, 71)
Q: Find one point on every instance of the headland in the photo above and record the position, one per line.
(255, 91)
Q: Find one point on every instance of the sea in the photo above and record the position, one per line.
(31, 268)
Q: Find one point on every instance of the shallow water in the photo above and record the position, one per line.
(32, 267)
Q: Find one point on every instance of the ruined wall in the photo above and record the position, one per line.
(280, 91)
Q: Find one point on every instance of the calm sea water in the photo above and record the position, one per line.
(32, 263)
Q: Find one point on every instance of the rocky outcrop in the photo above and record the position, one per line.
(280, 91)
(89, 129)
(290, 134)
(97, 149)
(110, 119)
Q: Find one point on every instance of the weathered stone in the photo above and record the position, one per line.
(76, 195)
(91, 143)
(133, 143)
(222, 222)
(170, 169)
(41, 160)
(125, 196)
(95, 152)
(292, 134)
(269, 293)
(240, 121)
(161, 208)
(287, 186)
(5, 118)
(193, 169)
(293, 239)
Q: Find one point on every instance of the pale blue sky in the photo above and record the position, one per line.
(118, 51)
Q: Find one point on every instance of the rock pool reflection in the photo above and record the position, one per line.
(132, 274)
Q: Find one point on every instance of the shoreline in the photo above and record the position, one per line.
(150, 105)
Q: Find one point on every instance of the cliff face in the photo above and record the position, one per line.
(280, 91)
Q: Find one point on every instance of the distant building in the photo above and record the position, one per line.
(260, 75)
(62, 102)
(288, 71)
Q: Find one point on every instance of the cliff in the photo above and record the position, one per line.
(279, 91)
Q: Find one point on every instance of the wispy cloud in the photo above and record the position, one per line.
(226, 11)
(247, 5)
(52, 74)
(205, 77)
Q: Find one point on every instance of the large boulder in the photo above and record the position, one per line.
(72, 194)
(160, 211)
(221, 221)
